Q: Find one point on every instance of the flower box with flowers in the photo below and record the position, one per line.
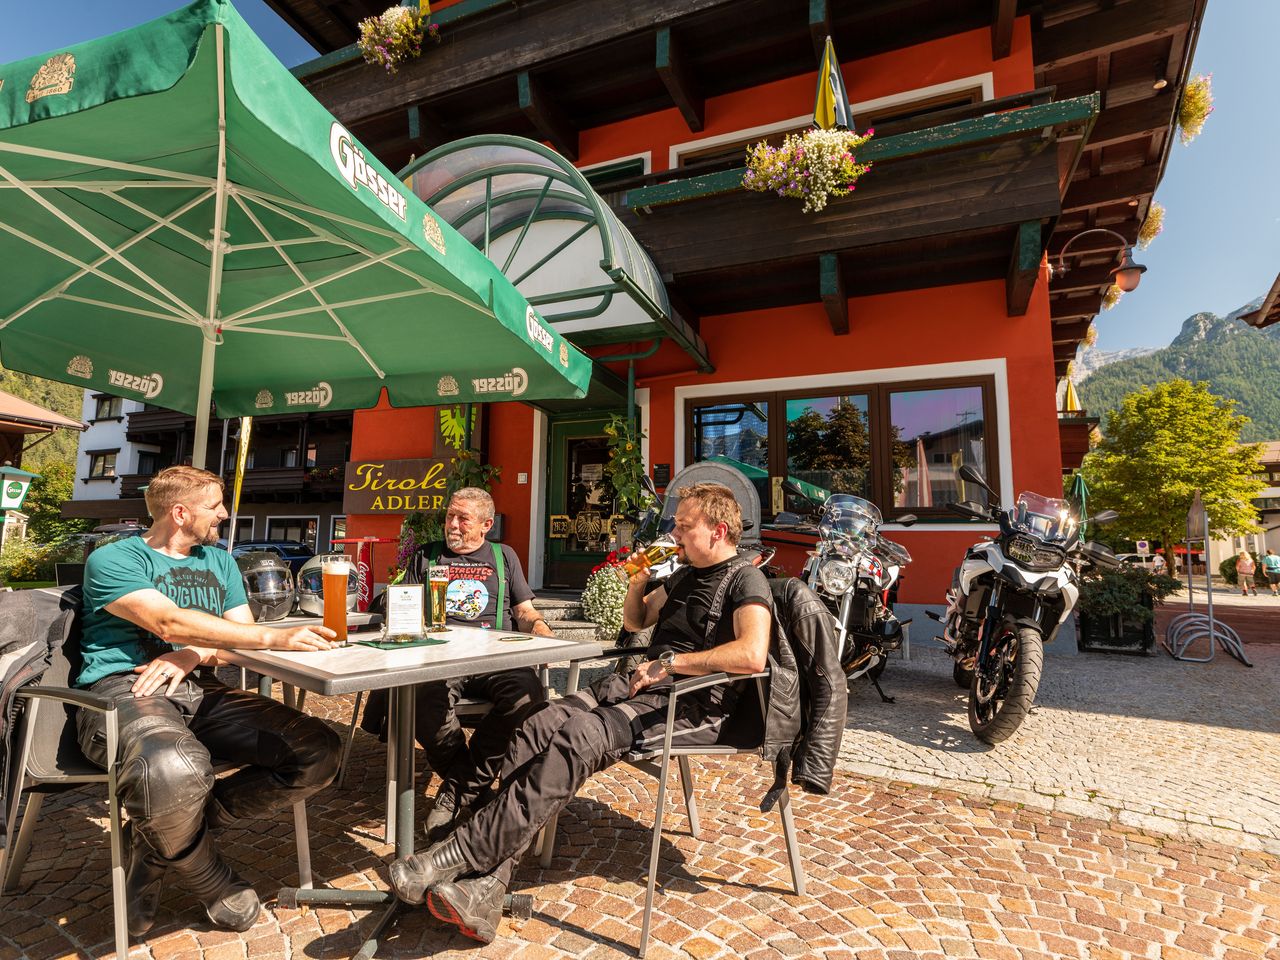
(815, 166)
(603, 596)
(395, 35)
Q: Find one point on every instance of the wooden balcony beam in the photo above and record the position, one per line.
(1071, 333)
(1075, 307)
(1065, 351)
(1132, 121)
(831, 289)
(1111, 188)
(1083, 279)
(1115, 28)
(546, 116)
(1003, 13)
(1024, 267)
(676, 76)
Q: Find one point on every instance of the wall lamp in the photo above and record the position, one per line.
(1126, 274)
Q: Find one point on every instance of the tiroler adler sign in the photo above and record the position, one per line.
(394, 486)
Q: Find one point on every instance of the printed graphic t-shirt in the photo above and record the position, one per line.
(207, 580)
(472, 597)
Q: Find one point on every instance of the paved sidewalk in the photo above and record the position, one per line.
(1181, 748)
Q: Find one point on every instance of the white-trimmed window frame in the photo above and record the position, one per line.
(994, 368)
(984, 80)
(266, 528)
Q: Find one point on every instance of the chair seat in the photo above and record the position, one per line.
(635, 756)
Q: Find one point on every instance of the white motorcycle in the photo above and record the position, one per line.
(1009, 597)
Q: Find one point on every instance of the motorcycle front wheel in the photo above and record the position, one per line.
(962, 677)
(1001, 693)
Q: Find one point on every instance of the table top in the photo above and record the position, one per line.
(467, 651)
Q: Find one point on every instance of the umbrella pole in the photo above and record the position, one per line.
(209, 330)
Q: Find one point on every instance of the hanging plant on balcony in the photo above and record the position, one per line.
(396, 35)
(1151, 226)
(1090, 335)
(1197, 104)
(1111, 297)
(815, 166)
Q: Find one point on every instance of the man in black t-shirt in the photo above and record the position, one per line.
(561, 744)
(477, 596)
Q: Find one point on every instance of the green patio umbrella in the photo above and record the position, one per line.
(831, 103)
(181, 221)
(1079, 494)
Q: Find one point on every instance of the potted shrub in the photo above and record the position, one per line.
(625, 470)
(1117, 608)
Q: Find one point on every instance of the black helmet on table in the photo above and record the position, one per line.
(268, 585)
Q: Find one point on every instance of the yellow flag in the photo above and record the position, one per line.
(242, 457)
(1071, 402)
(831, 104)
(424, 8)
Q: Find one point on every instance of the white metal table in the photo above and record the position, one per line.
(355, 667)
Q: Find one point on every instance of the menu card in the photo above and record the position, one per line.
(404, 611)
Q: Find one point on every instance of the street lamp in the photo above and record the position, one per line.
(1126, 274)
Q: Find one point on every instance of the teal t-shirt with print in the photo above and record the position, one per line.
(1271, 563)
(206, 580)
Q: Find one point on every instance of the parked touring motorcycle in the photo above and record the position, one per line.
(856, 571)
(1010, 596)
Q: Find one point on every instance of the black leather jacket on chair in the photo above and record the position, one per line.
(807, 703)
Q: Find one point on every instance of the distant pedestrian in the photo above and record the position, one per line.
(1245, 568)
(1157, 565)
(1271, 567)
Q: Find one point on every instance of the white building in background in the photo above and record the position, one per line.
(1268, 505)
(105, 453)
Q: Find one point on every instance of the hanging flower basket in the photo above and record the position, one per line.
(1151, 226)
(815, 166)
(1197, 104)
(395, 35)
(1111, 297)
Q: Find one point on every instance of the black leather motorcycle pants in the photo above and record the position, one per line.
(562, 744)
(169, 746)
(467, 769)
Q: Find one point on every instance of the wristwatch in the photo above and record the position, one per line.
(667, 660)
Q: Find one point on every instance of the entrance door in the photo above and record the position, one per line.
(580, 497)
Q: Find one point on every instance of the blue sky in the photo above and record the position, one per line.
(1221, 242)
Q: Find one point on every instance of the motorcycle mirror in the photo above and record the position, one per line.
(968, 472)
(1106, 516)
(1100, 554)
(793, 488)
(647, 482)
(907, 519)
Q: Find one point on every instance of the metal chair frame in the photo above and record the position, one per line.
(37, 784)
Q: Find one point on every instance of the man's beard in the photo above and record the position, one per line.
(455, 541)
(210, 538)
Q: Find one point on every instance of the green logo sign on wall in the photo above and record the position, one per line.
(13, 490)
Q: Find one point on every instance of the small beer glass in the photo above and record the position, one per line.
(438, 582)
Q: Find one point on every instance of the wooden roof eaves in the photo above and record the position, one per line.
(1266, 314)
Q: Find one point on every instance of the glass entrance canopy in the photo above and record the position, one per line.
(534, 215)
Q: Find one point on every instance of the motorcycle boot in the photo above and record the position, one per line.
(474, 906)
(143, 875)
(411, 876)
(228, 900)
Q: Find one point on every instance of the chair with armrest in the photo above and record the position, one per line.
(658, 763)
(48, 760)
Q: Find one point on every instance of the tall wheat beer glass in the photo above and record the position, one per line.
(438, 578)
(335, 571)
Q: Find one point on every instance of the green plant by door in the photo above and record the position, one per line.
(625, 468)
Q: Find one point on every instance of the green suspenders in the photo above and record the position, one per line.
(499, 566)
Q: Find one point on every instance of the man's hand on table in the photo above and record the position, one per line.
(301, 638)
(165, 673)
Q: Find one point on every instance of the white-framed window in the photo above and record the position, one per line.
(866, 113)
(102, 464)
(304, 529)
(108, 408)
(337, 528)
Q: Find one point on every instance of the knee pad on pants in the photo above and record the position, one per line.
(165, 772)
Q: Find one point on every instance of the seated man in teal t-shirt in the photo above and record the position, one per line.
(156, 607)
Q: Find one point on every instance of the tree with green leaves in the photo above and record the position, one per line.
(1163, 444)
(43, 505)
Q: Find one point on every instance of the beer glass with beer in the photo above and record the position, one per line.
(334, 573)
(438, 581)
(660, 551)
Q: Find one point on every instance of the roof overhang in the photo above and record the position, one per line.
(536, 217)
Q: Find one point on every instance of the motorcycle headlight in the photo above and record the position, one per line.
(837, 576)
(1034, 553)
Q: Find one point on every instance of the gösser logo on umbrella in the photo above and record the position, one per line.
(181, 221)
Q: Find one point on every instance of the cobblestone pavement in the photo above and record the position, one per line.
(895, 869)
(1182, 748)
